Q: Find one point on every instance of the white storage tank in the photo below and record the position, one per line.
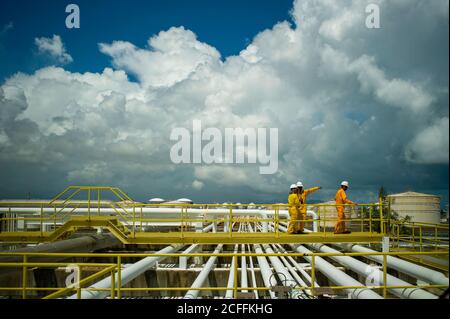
(422, 208)
(328, 214)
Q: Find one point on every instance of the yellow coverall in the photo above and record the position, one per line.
(294, 213)
(302, 198)
(341, 199)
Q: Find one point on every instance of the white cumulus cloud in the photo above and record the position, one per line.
(347, 102)
(54, 47)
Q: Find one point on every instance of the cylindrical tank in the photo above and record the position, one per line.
(328, 214)
(421, 208)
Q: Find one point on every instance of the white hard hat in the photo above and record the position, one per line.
(299, 184)
(293, 186)
(344, 183)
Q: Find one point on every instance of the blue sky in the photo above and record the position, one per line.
(351, 103)
(227, 25)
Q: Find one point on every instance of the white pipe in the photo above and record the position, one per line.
(338, 276)
(285, 277)
(365, 270)
(244, 280)
(420, 272)
(203, 275)
(183, 259)
(230, 285)
(315, 218)
(298, 267)
(292, 269)
(266, 271)
(127, 274)
(252, 268)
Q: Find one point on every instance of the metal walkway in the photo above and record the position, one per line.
(125, 236)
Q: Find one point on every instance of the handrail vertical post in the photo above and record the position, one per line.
(235, 279)
(89, 204)
(230, 222)
(385, 276)
(24, 277)
(313, 272)
(113, 284)
(41, 219)
(141, 220)
(119, 276)
(134, 220)
(381, 215)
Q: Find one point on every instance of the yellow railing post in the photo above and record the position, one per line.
(382, 230)
(313, 272)
(54, 220)
(230, 225)
(78, 285)
(420, 239)
(89, 204)
(235, 279)
(41, 219)
(113, 284)
(24, 277)
(141, 220)
(436, 239)
(119, 276)
(385, 276)
(134, 221)
(98, 201)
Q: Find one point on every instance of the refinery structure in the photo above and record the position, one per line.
(92, 242)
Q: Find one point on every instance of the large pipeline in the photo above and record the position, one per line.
(338, 276)
(417, 271)
(127, 274)
(89, 243)
(365, 270)
(203, 275)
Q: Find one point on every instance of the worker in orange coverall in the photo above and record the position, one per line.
(303, 194)
(294, 210)
(341, 199)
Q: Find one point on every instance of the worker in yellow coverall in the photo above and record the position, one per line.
(294, 210)
(341, 199)
(302, 195)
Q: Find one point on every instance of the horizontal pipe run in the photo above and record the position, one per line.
(203, 275)
(376, 274)
(127, 274)
(414, 270)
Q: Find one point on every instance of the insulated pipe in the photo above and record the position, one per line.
(75, 245)
(230, 285)
(298, 267)
(252, 268)
(285, 277)
(244, 280)
(291, 269)
(266, 271)
(338, 276)
(203, 275)
(127, 274)
(365, 270)
(420, 272)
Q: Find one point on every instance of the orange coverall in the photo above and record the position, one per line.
(302, 198)
(341, 199)
(294, 213)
